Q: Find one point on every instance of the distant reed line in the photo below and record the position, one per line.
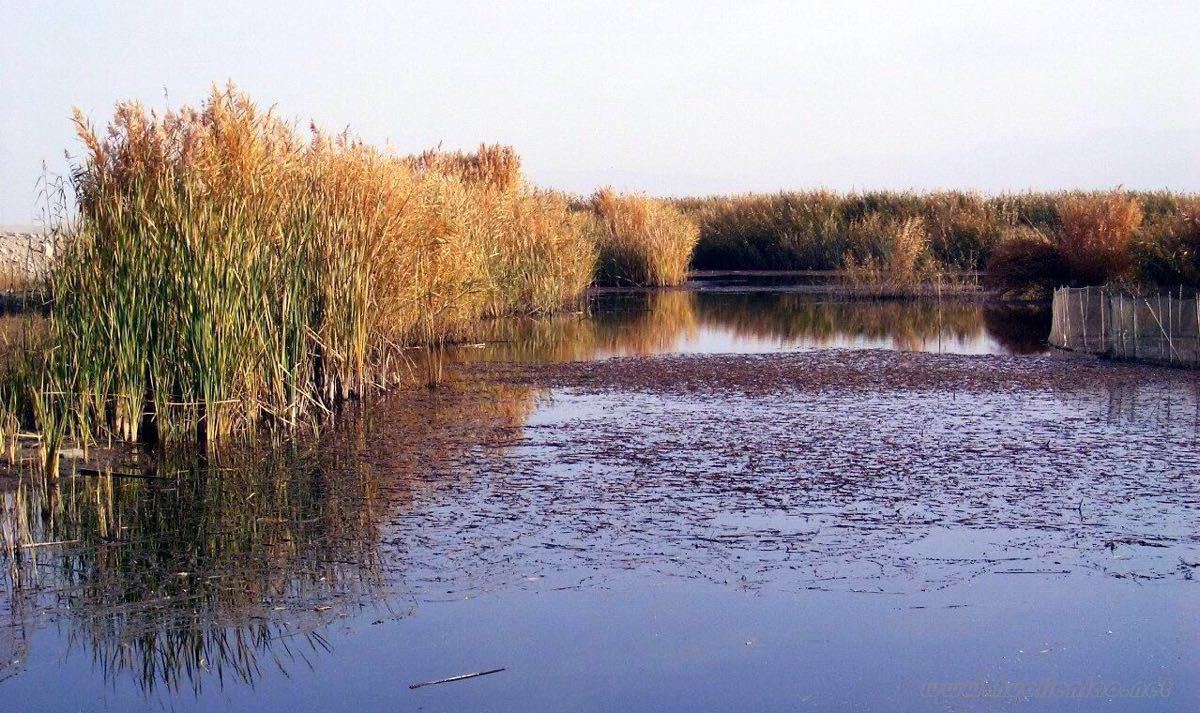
(1027, 243)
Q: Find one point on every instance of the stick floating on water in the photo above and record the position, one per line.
(462, 677)
(56, 543)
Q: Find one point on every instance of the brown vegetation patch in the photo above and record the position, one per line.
(833, 372)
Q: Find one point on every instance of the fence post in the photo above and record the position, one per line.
(1054, 317)
(1117, 337)
(1137, 336)
(1085, 300)
(1162, 329)
(1066, 340)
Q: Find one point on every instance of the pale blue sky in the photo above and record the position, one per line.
(666, 97)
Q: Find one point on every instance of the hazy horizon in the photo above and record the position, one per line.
(668, 98)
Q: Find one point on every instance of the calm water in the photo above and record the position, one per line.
(1005, 535)
(721, 320)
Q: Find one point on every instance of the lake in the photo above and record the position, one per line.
(732, 497)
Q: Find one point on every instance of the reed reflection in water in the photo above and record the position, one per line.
(699, 321)
(181, 569)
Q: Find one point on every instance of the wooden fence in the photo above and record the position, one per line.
(1163, 328)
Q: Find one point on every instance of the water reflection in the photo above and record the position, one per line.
(185, 569)
(702, 321)
(780, 321)
(196, 567)
(1018, 329)
(186, 573)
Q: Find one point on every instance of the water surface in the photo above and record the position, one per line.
(704, 320)
(681, 500)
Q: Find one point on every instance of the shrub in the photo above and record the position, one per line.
(1025, 264)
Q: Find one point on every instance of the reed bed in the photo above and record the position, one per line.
(1096, 236)
(227, 271)
(815, 230)
(1130, 239)
(644, 242)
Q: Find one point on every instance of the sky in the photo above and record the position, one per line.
(671, 98)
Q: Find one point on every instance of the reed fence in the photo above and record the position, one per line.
(1161, 327)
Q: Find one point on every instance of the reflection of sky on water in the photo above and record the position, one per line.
(713, 339)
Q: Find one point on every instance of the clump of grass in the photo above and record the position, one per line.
(1091, 244)
(643, 241)
(227, 272)
(1170, 255)
(1095, 234)
(895, 261)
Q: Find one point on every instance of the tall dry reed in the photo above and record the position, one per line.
(644, 241)
(1095, 234)
(227, 271)
(816, 230)
(895, 262)
(1026, 265)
